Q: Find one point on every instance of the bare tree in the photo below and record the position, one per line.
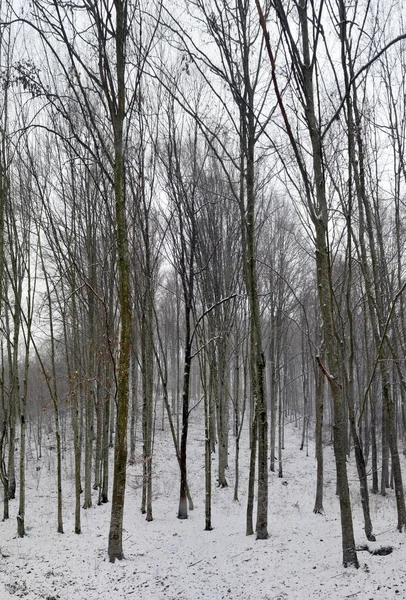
(304, 64)
(179, 156)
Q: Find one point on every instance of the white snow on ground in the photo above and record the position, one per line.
(177, 560)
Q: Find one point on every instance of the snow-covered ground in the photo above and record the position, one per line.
(178, 560)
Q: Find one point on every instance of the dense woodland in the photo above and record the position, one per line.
(202, 210)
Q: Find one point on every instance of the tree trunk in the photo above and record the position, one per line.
(273, 383)
(375, 483)
(78, 455)
(251, 475)
(318, 505)
(147, 354)
(89, 403)
(104, 496)
(222, 412)
(134, 394)
(207, 445)
(392, 440)
(182, 510)
(385, 447)
(115, 546)
(326, 299)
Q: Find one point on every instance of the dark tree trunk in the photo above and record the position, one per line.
(115, 546)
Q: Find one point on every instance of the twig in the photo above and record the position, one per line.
(235, 555)
(196, 563)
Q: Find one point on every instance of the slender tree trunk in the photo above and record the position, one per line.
(280, 430)
(99, 442)
(251, 475)
(318, 505)
(78, 455)
(375, 483)
(3, 438)
(53, 390)
(21, 504)
(207, 445)
(222, 419)
(89, 403)
(182, 510)
(392, 440)
(59, 466)
(207, 465)
(385, 448)
(237, 422)
(3, 473)
(23, 409)
(14, 396)
(134, 394)
(147, 352)
(274, 396)
(104, 497)
(361, 469)
(305, 390)
(115, 545)
(163, 374)
(257, 359)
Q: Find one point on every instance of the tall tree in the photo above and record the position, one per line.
(303, 55)
(182, 162)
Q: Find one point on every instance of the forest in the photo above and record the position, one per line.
(202, 233)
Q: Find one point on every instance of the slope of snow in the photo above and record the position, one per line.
(178, 560)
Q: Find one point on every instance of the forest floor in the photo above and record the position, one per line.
(177, 560)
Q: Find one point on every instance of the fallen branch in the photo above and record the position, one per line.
(196, 563)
